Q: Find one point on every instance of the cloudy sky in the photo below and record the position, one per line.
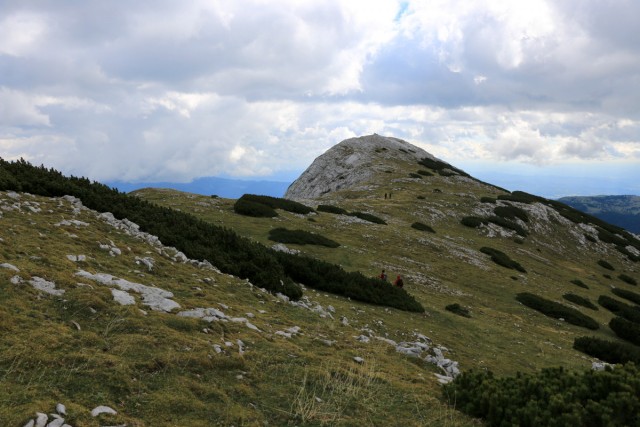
(538, 95)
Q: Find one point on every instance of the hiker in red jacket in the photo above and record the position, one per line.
(398, 282)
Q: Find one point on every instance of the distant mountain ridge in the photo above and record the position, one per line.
(223, 187)
(623, 211)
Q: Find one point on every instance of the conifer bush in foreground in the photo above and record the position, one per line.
(551, 397)
(250, 208)
(557, 310)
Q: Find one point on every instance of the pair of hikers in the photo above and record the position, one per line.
(398, 282)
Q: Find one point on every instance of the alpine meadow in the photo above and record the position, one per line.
(166, 308)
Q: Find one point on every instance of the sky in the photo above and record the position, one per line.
(540, 96)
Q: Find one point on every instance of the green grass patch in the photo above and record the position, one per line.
(577, 299)
(502, 259)
(556, 310)
(300, 237)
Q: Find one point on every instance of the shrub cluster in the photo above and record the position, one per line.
(551, 397)
(628, 279)
(485, 199)
(502, 259)
(300, 237)
(580, 283)
(475, 222)
(511, 212)
(608, 351)
(422, 227)
(331, 278)
(425, 173)
(472, 221)
(631, 313)
(415, 175)
(368, 217)
(331, 209)
(628, 295)
(626, 330)
(198, 239)
(269, 202)
(556, 310)
(577, 299)
(458, 309)
(254, 209)
(604, 264)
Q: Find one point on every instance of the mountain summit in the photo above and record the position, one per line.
(351, 162)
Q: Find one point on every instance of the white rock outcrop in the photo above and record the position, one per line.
(351, 162)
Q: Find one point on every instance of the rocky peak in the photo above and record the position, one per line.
(351, 162)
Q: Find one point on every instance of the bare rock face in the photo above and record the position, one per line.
(351, 162)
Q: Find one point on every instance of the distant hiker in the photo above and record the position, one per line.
(398, 282)
(383, 276)
(385, 196)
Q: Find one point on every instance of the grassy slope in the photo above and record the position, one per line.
(157, 369)
(502, 334)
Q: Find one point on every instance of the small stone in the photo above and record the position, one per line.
(60, 408)
(57, 422)
(31, 423)
(41, 419)
(358, 359)
(102, 410)
(77, 326)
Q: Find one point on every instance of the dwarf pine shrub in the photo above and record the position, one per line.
(628, 279)
(300, 237)
(608, 351)
(556, 310)
(502, 259)
(278, 203)
(628, 331)
(628, 295)
(511, 212)
(422, 227)
(485, 199)
(331, 209)
(510, 225)
(250, 208)
(425, 172)
(604, 264)
(415, 175)
(368, 217)
(577, 299)
(458, 309)
(631, 313)
(550, 397)
(472, 221)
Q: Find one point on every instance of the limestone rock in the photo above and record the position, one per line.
(102, 410)
(351, 162)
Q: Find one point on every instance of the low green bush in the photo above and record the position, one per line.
(628, 295)
(623, 250)
(609, 237)
(522, 197)
(502, 259)
(626, 330)
(458, 309)
(420, 197)
(590, 238)
(604, 264)
(254, 209)
(631, 313)
(511, 212)
(608, 351)
(577, 299)
(551, 397)
(331, 209)
(628, 279)
(472, 221)
(415, 175)
(278, 203)
(368, 217)
(580, 283)
(485, 199)
(300, 237)
(422, 227)
(425, 173)
(556, 310)
(510, 225)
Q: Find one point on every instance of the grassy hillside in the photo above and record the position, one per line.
(323, 360)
